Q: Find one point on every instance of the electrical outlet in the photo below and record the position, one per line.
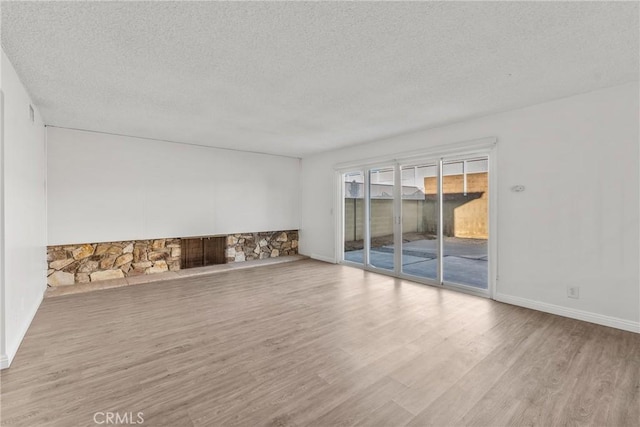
(573, 292)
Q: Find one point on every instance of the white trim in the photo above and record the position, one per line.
(440, 224)
(464, 147)
(587, 316)
(467, 289)
(338, 212)
(323, 258)
(11, 352)
(493, 222)
(4, 361)
(397, 218)
(366, 238)
(3, 321)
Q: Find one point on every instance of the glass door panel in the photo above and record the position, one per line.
(353, 216)
(465, 221)
(381, 218)
(420, 220)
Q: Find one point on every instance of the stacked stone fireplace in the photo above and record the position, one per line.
(250, 246)
(93, 262)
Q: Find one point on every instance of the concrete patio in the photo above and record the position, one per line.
(465, 260)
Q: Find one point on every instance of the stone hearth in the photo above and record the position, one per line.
(250, 246)
(92, 262)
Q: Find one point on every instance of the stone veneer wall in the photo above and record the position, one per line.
(70, 264)
(92, 262)
(250, 246)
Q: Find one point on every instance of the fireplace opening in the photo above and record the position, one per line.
(203, 251)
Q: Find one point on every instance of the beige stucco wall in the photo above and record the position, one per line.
(381, 217)
(464, 215)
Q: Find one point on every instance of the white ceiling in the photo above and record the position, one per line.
(300, 78)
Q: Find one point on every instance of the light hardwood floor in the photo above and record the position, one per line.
(309, 343)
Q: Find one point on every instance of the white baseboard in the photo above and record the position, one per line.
(12, 348)
(323, 258)
(600, 319)
(4, 361)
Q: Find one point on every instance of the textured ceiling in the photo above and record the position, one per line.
(300, 78)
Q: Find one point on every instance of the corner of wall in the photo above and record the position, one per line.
(12, 348)
(4, 360)
(22, 246)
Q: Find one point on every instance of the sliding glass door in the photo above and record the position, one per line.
(382, 218)
(420, 220)
(427, 220)
(465, 221)
(353, 216)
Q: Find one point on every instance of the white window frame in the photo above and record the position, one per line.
(480, 147)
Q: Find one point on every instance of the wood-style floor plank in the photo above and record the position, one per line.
(309, 343)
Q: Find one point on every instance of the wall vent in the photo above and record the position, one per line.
(31, 113)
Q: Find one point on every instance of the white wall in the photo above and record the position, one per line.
(575, 225)
(106, 188)
(24, 232)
